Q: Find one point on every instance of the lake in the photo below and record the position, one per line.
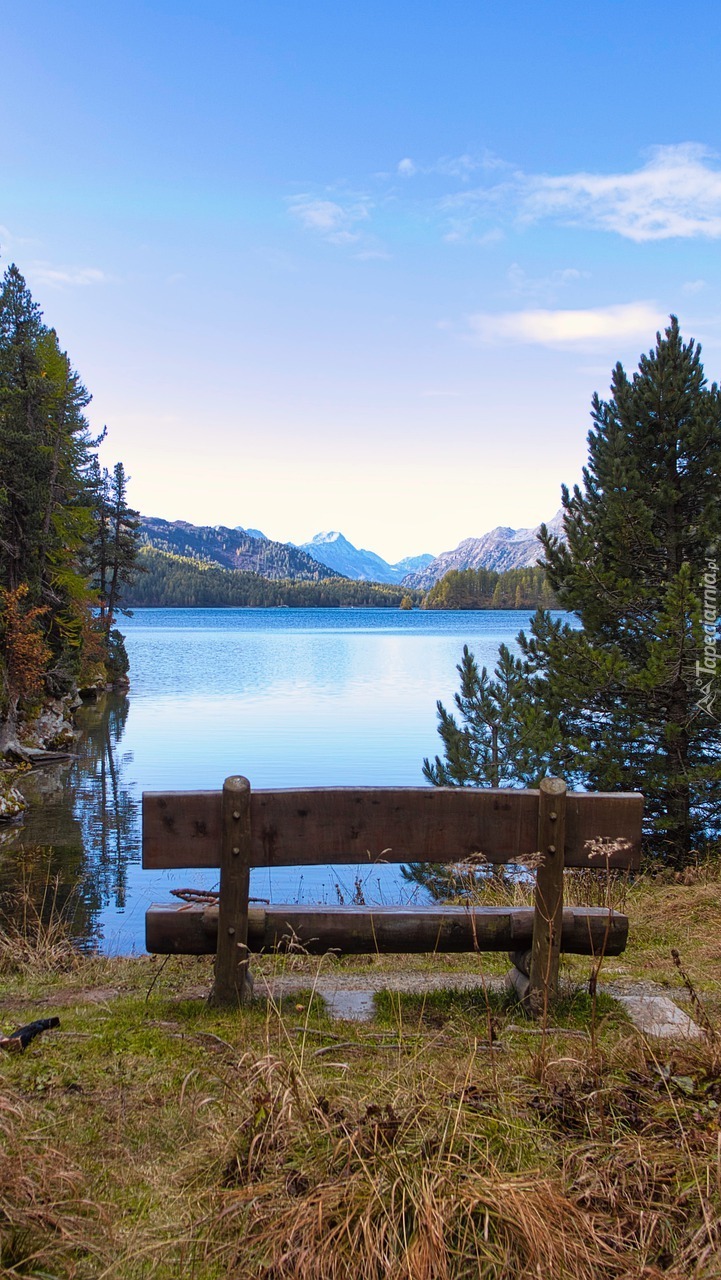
(289, 697)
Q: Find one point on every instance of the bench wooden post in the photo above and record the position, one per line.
(231, 964)
(548, 900)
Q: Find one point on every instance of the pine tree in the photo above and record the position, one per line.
(45, 455)
(116, 543)
(505, 738)
(50, 503)
(24, 469)
(637, 689)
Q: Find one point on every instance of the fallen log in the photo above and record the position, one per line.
(37, 755)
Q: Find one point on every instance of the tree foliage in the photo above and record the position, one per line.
(631, 700)
(176, 582)
(114, 552)
(25, 653)
(501, 736)
(527, 588)
(504, 739)
(51, 517)
(639, 569)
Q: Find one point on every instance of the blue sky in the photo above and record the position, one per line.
(360, 267)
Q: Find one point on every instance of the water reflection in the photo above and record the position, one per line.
(81, 830)
(105, 800)
(289, 697)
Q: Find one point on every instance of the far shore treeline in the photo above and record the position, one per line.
(168, 581)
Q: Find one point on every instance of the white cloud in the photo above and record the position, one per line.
(460, 166)
(453, 166)
(373, 255)
(694, 286)
(336, 222)
(563, 329)
(542, 287)
(461, 233)
(478, 198)
(9, 241)
(568, 274)
(319, 215)
(677, 193)
(43, 273)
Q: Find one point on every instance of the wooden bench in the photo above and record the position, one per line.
(238, 829)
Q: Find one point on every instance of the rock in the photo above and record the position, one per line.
(658, 1016)
(10, 832)
(12, 803)
(52, 729)
(520, 983)
(521, 961)
(91, 692)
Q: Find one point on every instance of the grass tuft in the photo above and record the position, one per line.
(37, 926)
(49, 1225)
(457, 1176)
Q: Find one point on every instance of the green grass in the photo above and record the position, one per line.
(471, 1009)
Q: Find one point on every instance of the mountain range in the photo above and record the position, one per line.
(501, 549)
(331, 555)
(232, 549)
(335, 551)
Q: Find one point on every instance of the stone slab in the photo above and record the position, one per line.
(658, 1016)
(350, 996)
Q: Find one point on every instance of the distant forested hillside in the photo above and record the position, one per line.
(170, 581)
(165, 580)
(232, 549)
(486, 589)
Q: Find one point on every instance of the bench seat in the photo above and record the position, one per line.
(192, 929)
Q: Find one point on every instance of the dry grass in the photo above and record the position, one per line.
(49, 1225)
(483, 1170)
(683, 914)
(36, 928)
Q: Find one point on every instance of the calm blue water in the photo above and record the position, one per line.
(287, 697)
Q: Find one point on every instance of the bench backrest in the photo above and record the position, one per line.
(238, 829)
(302, 827)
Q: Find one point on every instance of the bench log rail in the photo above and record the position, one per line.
(238, 829)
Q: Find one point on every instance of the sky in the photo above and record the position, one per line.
(360, 267)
